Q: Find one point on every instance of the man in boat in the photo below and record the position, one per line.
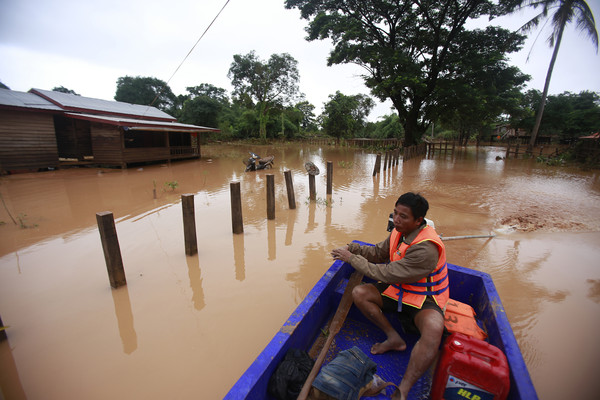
(410, 266)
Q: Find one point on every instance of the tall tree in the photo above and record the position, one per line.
(405, 46)
(562, 13)
(345, 116)
(204, 105)
(482, 85)
(145, 91)
(308, 119)
(270, 83)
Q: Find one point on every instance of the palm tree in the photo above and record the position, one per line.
(563, 12)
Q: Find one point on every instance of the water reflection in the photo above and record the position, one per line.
(469, 193)
(125, 319)
(271, 240)
(239, 257)
(292, 215)
(594, 289)
(195, 276)
(311, 225)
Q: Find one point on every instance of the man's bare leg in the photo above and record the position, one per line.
(368, 300)
(431, 327)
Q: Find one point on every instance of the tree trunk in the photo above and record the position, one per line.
(538, 118)
(410, 126)
(262, 122)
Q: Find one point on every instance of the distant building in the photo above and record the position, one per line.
(45, 129)
(506, 131)
(519, 135)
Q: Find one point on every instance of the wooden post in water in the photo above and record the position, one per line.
(311, 187)
(237, 223)
(507, 150)
(270, 196)
(329, 177)
(189, 224)
(112, 251)
(377, 164)
(517, 151)
(290, 189)
(385, 161)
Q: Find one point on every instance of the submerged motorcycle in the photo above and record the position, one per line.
(255, 162)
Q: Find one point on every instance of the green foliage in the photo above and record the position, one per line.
(388, 128)
(408, 48)
(205, 105)
(173, 185)
(22, 221)
(483, 86)
(63, 89)
(146, 91)
(3, 86)
(345, 116)
(552, 161)
(268, 84)
(566, 115)
(560, 13)
(308, 121)
(345, 164)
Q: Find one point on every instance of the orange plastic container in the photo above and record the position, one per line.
(471, 369)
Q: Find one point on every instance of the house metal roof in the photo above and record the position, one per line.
(75, 103)
(129, 116)
(11, 98)
(139, 124)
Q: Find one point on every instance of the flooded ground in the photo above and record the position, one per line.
(188, 327)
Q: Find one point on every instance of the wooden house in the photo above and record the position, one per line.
(27, 136)
(78, 129)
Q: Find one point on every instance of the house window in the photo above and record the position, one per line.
(180, 139)
(137, 139)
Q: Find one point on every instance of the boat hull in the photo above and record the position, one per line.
(307, 324)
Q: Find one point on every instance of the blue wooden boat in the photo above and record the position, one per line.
(308, 322)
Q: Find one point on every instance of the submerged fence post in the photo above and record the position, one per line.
(311, 186)
(290, 189)
(377, 167)
(270, 196)
(237, 223)
(329, 177)
(112, 251)
(189, 224)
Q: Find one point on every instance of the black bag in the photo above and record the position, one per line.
(290, 375)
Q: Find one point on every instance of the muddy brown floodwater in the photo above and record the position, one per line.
(188, 327)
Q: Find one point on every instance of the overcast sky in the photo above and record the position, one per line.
(86, 45)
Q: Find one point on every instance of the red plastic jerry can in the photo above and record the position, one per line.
(470, 369)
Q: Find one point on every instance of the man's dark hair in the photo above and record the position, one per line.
(417, 204)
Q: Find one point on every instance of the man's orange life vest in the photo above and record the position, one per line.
(435, 284)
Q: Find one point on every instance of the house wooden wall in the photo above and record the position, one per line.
(107, 143)
(109, 148)
(73, 137)
(27, 141)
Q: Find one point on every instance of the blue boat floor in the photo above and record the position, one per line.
(358, 331)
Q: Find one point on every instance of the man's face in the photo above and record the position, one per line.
(404, 221)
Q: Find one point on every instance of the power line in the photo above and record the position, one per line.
(190, 52)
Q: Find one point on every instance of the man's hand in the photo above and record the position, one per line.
(341, 254)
